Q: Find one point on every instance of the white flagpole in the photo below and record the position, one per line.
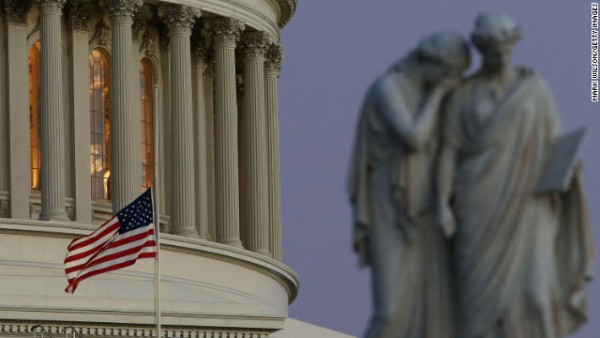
(156, 196)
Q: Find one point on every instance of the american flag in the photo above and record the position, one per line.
(118, 243)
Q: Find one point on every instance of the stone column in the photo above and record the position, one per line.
(4, 131)
(179, 21)
(209, 118)
(254, 49)
(164, 124)
(225, 33)
(239, 91)
(272, 68)
(242, 161)
(52, 116)
(17, 101)
(79, 14)
(200, 65)
(123, 120)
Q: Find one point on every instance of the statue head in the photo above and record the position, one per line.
(494, 35)
(443, 54)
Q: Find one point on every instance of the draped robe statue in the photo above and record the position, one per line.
(392, 192)
(521, 256)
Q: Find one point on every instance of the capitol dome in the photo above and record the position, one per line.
(99, 99)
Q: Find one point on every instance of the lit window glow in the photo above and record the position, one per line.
(35, 151)
(100, 159)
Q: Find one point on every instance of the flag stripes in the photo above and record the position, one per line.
(118, 243)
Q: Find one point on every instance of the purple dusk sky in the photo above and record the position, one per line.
(334, 50)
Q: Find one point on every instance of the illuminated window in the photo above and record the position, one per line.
(35, 152)
(100, 125)
(147, 125)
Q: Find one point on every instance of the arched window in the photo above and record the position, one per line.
(100, 125)
(35, 151)
(147, 124)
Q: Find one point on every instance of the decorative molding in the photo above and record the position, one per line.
(255, 45)
(247, 11)
(51, 6)
(274, 59)
(4, 204)
(201, 47)
(71, 211)
(79, 15)
(35, 28)
(24, 328)
(17, 10)
(35, 206)
(123, 8)
(34, 210)
(147, 46)
(288, 8)
(179, 19)
(101, 33)
(139, 25)
(225, 31)
(218, 251)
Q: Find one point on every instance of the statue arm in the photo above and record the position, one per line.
(411, 132)
(445, 179)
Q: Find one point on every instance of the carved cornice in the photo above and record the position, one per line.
(123, 8)
(79, 15)
(179, 19)
(255, 44)
(274, 59)
(16, 10)
(288, 7)
(225, 31)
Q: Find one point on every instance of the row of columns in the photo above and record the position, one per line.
(247, 193)
(259, 147)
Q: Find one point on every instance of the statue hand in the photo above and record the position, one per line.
(446, 85)
(446, 221)
(360, 244)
